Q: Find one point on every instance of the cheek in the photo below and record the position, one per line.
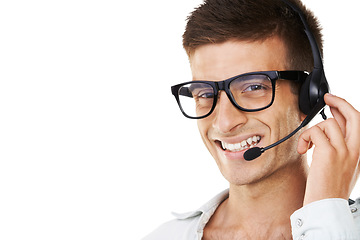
(286, 102)
(204, 126)
(284, 115)
(291, 111)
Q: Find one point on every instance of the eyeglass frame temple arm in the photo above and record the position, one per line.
(293, 75)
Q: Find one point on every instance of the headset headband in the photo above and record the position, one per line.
(318, 64)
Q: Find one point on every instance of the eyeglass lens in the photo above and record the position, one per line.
(250, 92)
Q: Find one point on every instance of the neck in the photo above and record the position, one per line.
(266, 204)
(283, 188)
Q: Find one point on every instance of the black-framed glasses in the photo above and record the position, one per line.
(249, 92)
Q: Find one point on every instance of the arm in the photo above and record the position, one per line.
(327, 219)
(334, 168)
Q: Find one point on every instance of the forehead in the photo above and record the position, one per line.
(224, 60)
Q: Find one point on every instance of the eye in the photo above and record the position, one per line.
(255, 87)
(206, 95)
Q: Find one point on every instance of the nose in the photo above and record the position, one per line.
(227, 116)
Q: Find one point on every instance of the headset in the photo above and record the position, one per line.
(312, 91)
(315, 86)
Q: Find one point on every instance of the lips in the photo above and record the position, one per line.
(240, 146)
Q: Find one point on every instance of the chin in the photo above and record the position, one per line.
(248, 172)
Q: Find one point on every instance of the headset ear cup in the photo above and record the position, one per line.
(304, 97)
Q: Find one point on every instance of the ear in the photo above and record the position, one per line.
(302, 116)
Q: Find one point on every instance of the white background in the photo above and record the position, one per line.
(92, 144)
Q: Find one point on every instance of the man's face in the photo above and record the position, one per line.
(228, 126)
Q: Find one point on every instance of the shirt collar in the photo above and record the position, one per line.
(208, 208)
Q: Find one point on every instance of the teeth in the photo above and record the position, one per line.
(248, 143)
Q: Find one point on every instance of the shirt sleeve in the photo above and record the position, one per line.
(325, 219)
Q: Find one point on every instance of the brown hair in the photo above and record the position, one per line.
(216, 21)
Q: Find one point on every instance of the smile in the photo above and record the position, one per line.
(245, 144)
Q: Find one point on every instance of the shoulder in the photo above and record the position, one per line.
(188, 226)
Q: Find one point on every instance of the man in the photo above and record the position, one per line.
(252, 44)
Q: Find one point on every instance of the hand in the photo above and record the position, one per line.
(335, 161)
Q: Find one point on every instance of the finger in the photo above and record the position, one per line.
(346, 113)
(341, 104)
(303, 145)
(333, 132)
(340, 119)
(314, 135)
(330, 132)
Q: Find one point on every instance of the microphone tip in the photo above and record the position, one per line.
(252, 153)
